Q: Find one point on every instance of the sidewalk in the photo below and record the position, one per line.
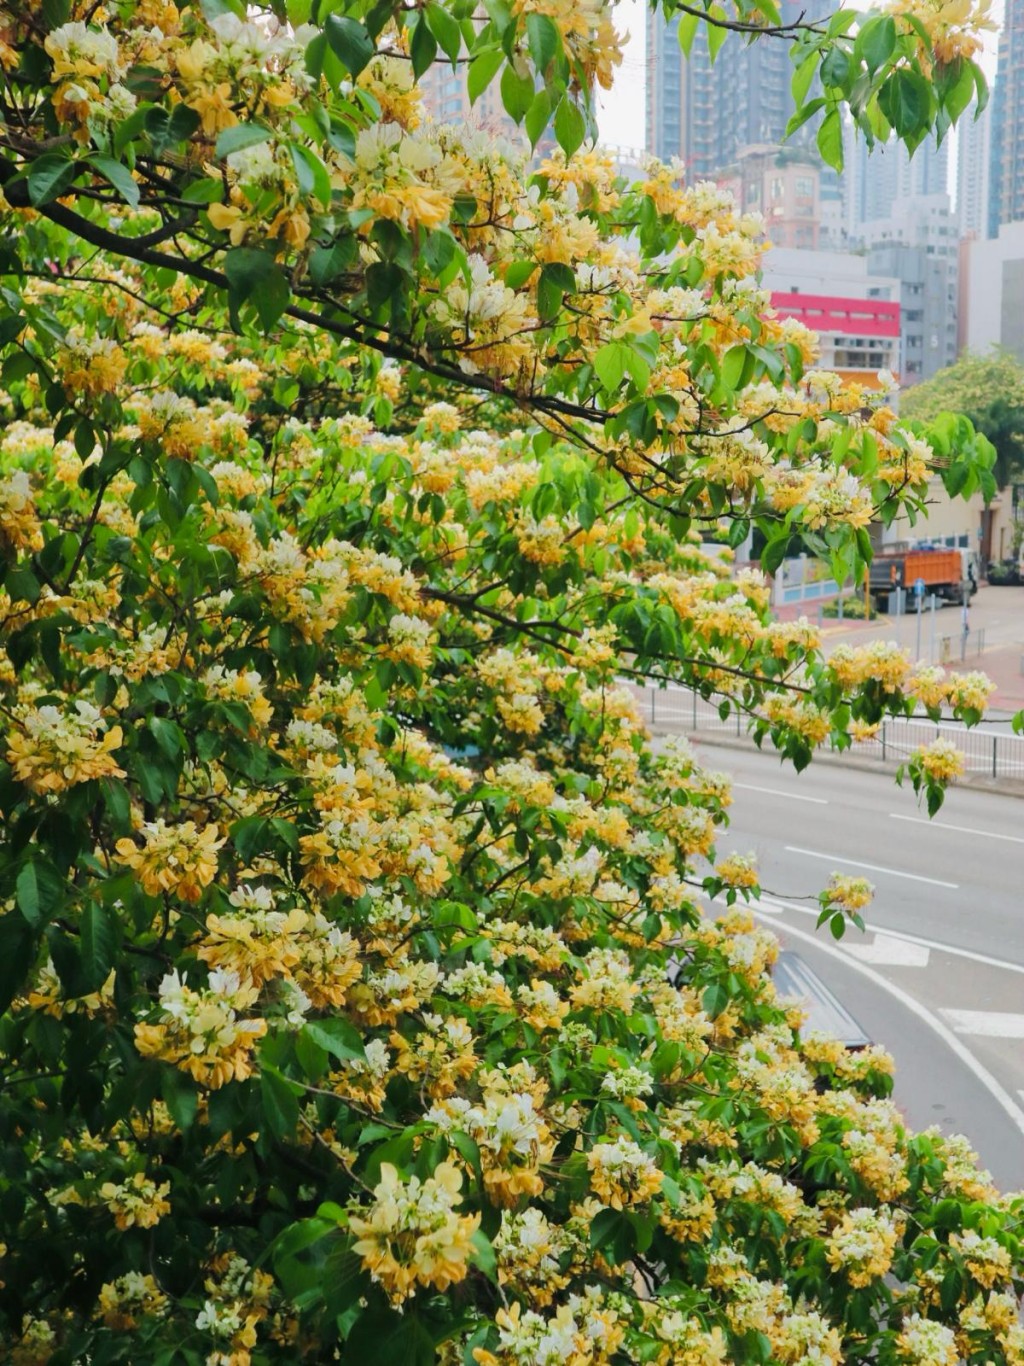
(998, 612)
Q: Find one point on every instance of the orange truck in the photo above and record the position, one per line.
(946, 573)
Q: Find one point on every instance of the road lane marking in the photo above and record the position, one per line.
(792, 796)
(767, 907)
(963, 829)
(988, 1024)
(978, 1070)
(888, 951)
(871, 867)
(774, 907)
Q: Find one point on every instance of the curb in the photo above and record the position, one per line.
(1001, 787)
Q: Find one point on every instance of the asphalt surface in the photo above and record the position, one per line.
(939, 977)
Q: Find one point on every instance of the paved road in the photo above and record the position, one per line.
(939, 978)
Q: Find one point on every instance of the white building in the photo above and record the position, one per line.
(995, 308)
(973, 174)
(855, 314)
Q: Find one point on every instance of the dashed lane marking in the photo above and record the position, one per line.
(963, 829)
(872, 867)
(792, 796)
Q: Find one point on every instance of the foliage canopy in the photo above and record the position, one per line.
(357, 1002)
(989, 390)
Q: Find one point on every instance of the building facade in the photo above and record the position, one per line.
(879, 180)
(928, 307)
(856, 314)
(995, 315)
(705, 113)
(1007, 137)
(782, 185)
(974, 201)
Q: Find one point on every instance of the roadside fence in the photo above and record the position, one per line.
(990, 750)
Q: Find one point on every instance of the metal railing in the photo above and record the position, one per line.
(991, 750)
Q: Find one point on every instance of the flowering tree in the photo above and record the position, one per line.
(357, 1001)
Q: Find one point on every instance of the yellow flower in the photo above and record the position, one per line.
(411, 1235)
(137, 1202)
(54, 750)
(180, 859)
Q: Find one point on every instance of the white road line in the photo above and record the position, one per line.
(791, 796)
(983, 1075)
(774, 906)
(886, 951)
(871, 867)
(989, 1024)
(963, 829)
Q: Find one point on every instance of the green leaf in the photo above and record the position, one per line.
(517, 93)
(350, 42)
(327, 263)
(537, 117)
(610, 363)
(483, 1257)
(543, 39)
(836, 69)
(482, 70)
(802, 78)
(556, 280)
(39, 891)
(446, 30)
(687, 31)
(311, 174)
(344, 1280)
(119, 176)
(737, 363)
(905, 100)
(830, 139)
(181, 1096)
(48, 178)
(774, 553)
(99, 940)
(280, 1102)
(254, 277)
(570, 125)
(382, 1337)
(335, 1036)
(876, 42)
(716, 34)
(239, 137)
(422, 48)
(519, 272)
(17, 954)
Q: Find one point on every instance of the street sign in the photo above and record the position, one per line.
(919, 587)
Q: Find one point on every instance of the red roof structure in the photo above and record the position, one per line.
(849, 317)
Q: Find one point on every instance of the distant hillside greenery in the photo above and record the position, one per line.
(989, 389)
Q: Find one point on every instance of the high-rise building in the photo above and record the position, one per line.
(973, 178)
(1007, 156)
(880, 179)
(704, 113)
(446, 100)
